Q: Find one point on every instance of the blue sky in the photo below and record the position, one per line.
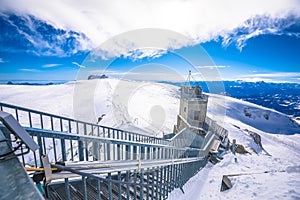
(253, 41)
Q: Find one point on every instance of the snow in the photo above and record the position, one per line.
(259, 117)
(151, 108)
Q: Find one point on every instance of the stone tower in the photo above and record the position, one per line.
(193, 107)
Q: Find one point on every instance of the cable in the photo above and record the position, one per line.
(15, 149)
(4, 156)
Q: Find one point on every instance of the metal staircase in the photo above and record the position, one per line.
(99, 162)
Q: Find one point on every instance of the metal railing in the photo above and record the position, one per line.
(137, 166)
(37, 119)
(213, 126)
(145, 183)
(71, 147)
(188, 138)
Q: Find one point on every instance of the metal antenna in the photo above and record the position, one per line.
(188, 80)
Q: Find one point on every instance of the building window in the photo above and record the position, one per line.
(197, 115)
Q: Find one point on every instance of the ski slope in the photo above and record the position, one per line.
(151, 108)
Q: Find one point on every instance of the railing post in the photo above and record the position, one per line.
(84, 188)
(127, 148)
(69, 126)
(41, 148)
(30, 120)
(164, 182)
(86, 143)
(172, 172)
(158, 153)
(142, 154)
(122, 152)
(51, 123)
(169, 178)
(63, 150)
(71, 147)
(134, 186)
(128, 185)
(153, 182)
(134, 152)
(160, 182)
(142, 184)
(54, 149)
(17, 115)
(119, 186)
(114, 151)
(148, 182)
(98, 189)
(63, 145)
(180, 175)
(108, 145)
(98, 131)
(35, 159)
(149, 153)
(67, 185)
(109, 187)
(80, 150)
(61, 125)
(174, 178)
(118, 152)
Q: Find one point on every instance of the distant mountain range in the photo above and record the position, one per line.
(283, 97)
(32, 82)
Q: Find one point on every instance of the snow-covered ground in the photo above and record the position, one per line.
(152, 108)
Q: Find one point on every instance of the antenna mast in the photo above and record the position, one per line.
(189, 78)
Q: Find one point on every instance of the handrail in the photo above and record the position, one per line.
(59, 135)
(216, 128)
(124, 166)
(92, 148)
(116, 165)
(131, 135)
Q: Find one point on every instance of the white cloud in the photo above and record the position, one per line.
(78, 65)
(279, 77)
(51, 65)
(29, 70)
(274, 75)
(270, 80)
(2, 60)
(199, 20)
(142, 74)
(46, 42)
(212, 67)
(145, 52)
(110, 72)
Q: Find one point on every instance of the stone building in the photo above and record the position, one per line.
(193, 108)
